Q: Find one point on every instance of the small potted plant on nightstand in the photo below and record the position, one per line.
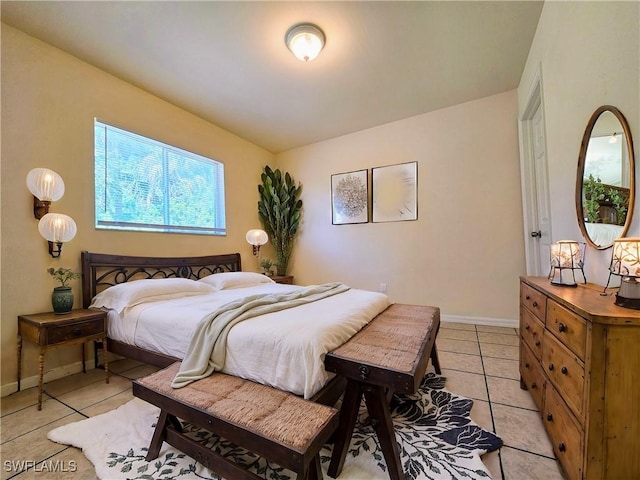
(62, 296)
(266, 264)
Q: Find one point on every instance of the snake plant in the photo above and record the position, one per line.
(280, 209)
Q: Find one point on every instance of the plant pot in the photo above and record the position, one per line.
(62, 300)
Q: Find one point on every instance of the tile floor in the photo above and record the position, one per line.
(479, 362)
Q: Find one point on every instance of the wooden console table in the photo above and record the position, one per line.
(389, 355)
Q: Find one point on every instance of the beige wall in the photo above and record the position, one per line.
(49, 101)
(465, 251)
(588, 54)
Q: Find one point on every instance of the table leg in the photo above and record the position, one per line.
(19, 360)
(376, 400)
(84, 368)
(106, 359)
(348, 415)
(41, 376)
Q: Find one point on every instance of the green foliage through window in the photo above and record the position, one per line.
(145, 185)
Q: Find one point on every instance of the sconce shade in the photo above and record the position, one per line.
(625, 258)
(57, 227)
(305, 41)
(257, 237)
(566, 255)
(45, 184)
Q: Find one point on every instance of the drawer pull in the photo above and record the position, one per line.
(527, 297)
(562, 327)
(526, 327)
(549, 417)
(534, 385)
(364, 372)
(535, 304)
(562, 447)
(526, 364)
(551, 367)
(77, 332)
(564, 370)
(537, 343)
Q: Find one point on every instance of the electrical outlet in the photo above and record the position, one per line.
(383, 288)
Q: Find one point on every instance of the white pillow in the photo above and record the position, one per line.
(227, 280)
(128, 294)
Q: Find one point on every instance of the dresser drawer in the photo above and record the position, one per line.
(532, 375)
(531, 331)
(569, 328)
(64, 333)
(565, 371)
(534, 300)
(565, 433)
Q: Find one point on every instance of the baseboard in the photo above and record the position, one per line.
(49, 376)
(492, 322)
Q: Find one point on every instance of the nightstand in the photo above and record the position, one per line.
(288, 279)
(52, 330)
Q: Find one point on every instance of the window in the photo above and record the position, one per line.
(145, 185)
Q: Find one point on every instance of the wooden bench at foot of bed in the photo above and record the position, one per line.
(389, 355)
(274, 424)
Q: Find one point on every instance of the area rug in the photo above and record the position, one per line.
(436, 437)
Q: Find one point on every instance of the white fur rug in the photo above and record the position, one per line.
(436, 437)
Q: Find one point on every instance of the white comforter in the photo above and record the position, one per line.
(284, 349)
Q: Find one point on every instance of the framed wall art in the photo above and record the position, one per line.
(350, 197)
(395, 192)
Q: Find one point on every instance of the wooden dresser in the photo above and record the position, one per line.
(580, 359)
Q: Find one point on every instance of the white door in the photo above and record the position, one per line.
(537, 211)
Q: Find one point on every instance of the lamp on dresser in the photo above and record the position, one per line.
(625, 262)
(566, 255)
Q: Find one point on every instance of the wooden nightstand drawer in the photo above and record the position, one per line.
(565, 433)
(565, 371)
(64, 333)
(285, 279)
(531, 331)
(568, 327)
(532, 375)
(534, 300)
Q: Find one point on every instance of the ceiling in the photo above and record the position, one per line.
(227, 62)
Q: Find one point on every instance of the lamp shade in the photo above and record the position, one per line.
(567, 254)
(57, 227)
(625, 258)
(305, 41)
(45, 184)
(257, 237)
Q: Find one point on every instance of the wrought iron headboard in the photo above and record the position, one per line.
(100, 270)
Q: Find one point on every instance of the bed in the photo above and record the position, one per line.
(282, 349)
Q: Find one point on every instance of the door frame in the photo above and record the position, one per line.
(530, 207)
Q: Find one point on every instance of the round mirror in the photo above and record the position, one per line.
(605, 188)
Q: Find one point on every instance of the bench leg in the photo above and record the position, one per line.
(434, 360)
(159, 436)
(348, 415)
(378, 408)
(313, 471)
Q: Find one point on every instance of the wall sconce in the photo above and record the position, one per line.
(566, 255)
(625, 261)
(57, 229)
(46, 186)
(305, 41)
(257, 238)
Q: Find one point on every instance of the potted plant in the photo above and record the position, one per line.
(62, 296)
(266, 264)
(279, 209)
(593, 193)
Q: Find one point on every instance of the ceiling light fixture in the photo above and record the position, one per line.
(305, 41)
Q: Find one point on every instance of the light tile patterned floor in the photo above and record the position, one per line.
(480, 362)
